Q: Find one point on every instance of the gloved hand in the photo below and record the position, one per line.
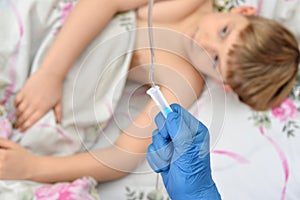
(180, 152)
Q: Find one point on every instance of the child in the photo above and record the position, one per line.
(222, 35)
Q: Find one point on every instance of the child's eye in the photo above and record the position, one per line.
(216, 60)
(224, 31)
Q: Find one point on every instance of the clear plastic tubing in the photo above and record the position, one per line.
(151, 43)
(154, 91)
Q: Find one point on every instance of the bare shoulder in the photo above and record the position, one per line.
(180, 77)
(172, 72)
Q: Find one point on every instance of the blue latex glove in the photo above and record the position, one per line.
(180, 152)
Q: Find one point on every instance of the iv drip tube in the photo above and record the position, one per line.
(151, 43)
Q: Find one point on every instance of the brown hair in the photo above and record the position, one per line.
(263, 66)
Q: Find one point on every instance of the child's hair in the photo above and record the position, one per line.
(263, 67)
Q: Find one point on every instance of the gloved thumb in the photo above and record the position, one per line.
(181, 122)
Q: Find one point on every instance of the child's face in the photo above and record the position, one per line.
(216, 33)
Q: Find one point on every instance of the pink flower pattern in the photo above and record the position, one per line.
(286, 110)
(5, 128)
(79, 189)
(66, 11)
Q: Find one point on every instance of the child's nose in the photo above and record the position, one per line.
(205, 35)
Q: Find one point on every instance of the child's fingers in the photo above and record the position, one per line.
(18, 99)
(21, 108)
(57, 112)
(22, 117)
(34, 117)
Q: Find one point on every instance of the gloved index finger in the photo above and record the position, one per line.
(177, 128)
(160, 122)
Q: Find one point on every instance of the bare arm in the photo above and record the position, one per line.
(182, 85)
(83, 24)
(103, 164)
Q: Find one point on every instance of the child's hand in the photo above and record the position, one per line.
(15, 161)
(41, 92)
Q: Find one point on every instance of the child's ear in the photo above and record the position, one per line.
(244, 10)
